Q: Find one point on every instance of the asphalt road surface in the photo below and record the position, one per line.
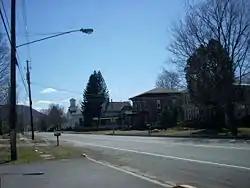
(68, 174)
(217, 163)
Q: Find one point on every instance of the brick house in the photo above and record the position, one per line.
(148, 106)
(242, 99)
(115, 114)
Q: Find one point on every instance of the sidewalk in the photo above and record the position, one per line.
(69, 173)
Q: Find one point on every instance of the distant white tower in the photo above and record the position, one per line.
(72, 107)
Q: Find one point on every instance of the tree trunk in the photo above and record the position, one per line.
(229, 119)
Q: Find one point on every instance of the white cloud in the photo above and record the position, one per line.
(44, 102)
(20, 102)
(38, 108)
(23, 102)
(48, 90)
(65, 100)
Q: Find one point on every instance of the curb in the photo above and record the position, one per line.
(180, 136)
(170, 136)
(144, 177)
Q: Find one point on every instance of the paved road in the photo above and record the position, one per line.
(199, 162)
(69, 174)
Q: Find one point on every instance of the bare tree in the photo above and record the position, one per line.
(4, 70)
(168, 79)
(4, 83)
(227, 21)
(246, 78)
(56, 115)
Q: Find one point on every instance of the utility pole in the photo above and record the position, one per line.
(30, 100)
(12, 112)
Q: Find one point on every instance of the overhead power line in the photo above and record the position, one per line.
(5, 26)
(7, 32)
(24, 13)
(61, 89)
(22, 75)
(31, 34)
(56, 88)
(8, 24)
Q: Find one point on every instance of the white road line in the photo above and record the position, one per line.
(168, 144)
(212, 146)
(164, 156)
(130, 173)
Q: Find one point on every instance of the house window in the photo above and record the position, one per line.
(189, 114)
(135, 105)
(142, 105)
(187, 99)
(80, 121)
(145, 105)
(158, 117)
(197, 112)
(158, 104)
(139, 106)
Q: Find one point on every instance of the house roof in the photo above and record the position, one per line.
(158, 91)
(117, 106)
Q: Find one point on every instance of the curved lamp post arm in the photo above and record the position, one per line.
(86, 31)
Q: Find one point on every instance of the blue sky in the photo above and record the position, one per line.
(128, 45)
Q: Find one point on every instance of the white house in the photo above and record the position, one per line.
(74, 114)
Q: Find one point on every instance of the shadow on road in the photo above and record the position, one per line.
(5, 162)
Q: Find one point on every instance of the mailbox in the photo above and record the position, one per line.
(57, 138)
(57, 134)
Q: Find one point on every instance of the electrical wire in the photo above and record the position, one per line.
(8, 24)
(61, 89)
(24, 13)
(5, 27)
(21, 75)
(31, 34)
(18, 59)
(56, 88)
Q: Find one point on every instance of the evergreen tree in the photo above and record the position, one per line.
(94, 96)
(169, 116)
(210, 76)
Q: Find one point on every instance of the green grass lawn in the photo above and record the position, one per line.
(244, 130)
(29, 155)
(107, 132)
(4, 141)
(173, 131)
(178, 131)
(61, 152)
(25, 155)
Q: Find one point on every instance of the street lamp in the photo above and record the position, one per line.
(85, 31)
